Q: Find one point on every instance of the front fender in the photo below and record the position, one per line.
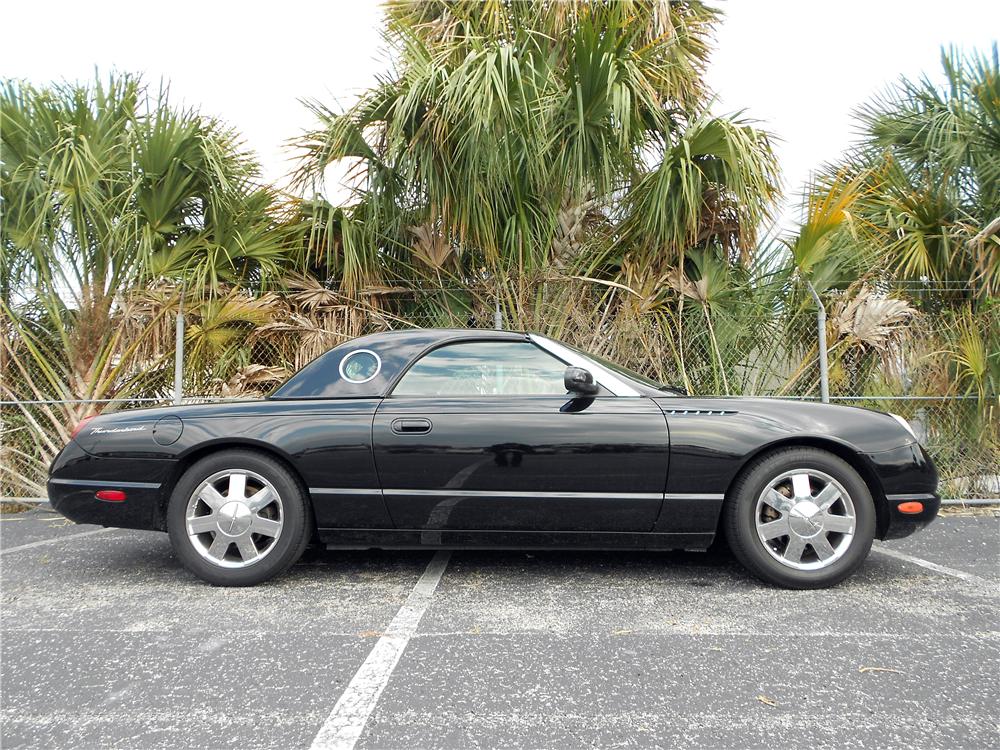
(906, 474)
(712, 440)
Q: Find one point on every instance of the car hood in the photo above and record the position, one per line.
(866, 430)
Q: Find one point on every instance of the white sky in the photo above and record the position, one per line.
(799, 67)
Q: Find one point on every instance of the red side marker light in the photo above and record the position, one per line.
(80, 425)
(112, 496)
(910, 507)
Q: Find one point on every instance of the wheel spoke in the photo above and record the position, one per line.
(261, 500)
(778, 501)
(796, 546)
(244, 519)
(248, 551)
(800, 486)
(220, 545)
(211, 497)
(827, 497)
(804, 498)
(237, 487)
(265, 526)
(840, 524)
(774, 529)
(822, 547)
(201, 524)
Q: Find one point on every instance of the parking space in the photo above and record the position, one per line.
(36, 525)
(106, 642)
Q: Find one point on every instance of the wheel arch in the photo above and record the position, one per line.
(191, 456)
(842, 450)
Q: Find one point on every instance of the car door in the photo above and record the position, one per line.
(481, 435)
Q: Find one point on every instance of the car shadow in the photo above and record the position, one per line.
(697, 568)
(143, 558)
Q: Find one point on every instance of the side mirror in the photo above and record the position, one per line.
(580, 382)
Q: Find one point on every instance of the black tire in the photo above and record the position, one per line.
(739, 522)
(296, 518)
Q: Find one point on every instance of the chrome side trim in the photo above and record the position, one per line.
(911, 496)
(107, 483)
(343, 491)
(602, 375)
(503, 493)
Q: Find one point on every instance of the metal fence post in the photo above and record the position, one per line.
(824, 370)
(498, 318)
(179, 357)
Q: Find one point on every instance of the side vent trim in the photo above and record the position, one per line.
(703, 412)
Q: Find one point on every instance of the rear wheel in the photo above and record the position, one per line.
(238, 518)
(800, 518)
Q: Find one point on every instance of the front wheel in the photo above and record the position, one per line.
(800, 518)
(238, 518)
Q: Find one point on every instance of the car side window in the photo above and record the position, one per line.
(484, 368)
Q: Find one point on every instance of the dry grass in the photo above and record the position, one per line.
(12, 506)
(971, 510)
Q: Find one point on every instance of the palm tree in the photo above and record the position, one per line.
(508, 127)
(919, 199)
(928, 163)
(105, 188)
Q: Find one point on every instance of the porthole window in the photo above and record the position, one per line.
(360, 366)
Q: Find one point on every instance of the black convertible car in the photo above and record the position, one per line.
(461, 438)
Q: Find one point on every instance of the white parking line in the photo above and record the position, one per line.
(933, 566)
(347, 720)
(43, 542)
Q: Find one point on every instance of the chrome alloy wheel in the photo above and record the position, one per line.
(805, 519)
(234, 518)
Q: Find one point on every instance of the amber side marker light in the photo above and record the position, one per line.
(910, 507)
(111, 496)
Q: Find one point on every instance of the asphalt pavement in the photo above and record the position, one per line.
(107, 642)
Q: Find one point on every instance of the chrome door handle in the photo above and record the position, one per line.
(411, 426)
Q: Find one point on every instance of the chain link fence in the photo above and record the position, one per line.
(766, 351)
